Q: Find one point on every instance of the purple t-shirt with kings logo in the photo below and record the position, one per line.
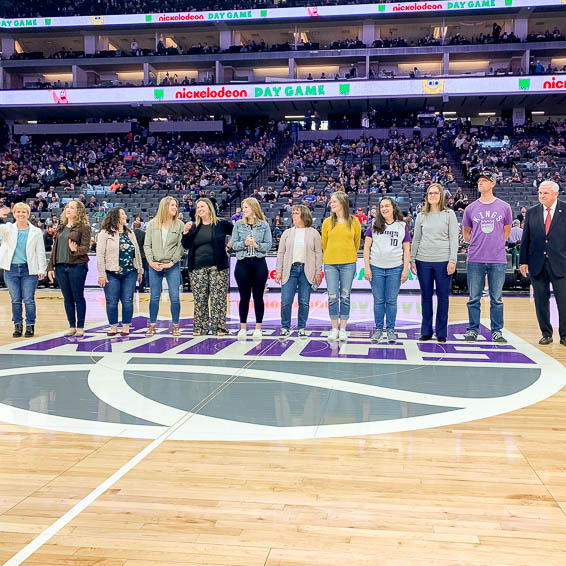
(487, 242)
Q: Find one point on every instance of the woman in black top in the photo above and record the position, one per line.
(209, 268)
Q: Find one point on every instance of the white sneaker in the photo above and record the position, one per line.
(343, 335)
(242, 334)
(257, 334)
(333, 334)
(302, 333)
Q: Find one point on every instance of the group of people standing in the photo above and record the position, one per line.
(389, 253)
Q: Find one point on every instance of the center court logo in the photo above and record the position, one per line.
(266, 389)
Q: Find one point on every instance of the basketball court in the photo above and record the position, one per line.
(212, 450)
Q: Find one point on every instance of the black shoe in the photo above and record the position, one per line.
(545, 340)
(563, 341)
(471, 336)
(425, 337)
(18, 330)
(30, 330)
(441, 339)
(498, 337)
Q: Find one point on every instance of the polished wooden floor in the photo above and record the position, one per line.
(490, 492)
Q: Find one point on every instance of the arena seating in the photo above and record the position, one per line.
(140, 176)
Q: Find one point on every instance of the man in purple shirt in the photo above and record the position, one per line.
(486, 225)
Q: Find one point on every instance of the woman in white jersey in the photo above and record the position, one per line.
(387, 249)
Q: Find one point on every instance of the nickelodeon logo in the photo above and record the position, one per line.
(554, 84)
(211, 93)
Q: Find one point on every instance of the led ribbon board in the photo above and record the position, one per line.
(310, 90)
(273, 14)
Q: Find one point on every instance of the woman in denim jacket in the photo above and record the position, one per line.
(251, 240)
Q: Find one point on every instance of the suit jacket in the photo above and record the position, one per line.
(140, 237)
(535, 244)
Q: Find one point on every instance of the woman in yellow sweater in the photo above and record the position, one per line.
(341, 234)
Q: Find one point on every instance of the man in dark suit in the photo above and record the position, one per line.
(543, 256)
(140, 237)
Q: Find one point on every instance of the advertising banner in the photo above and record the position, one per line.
(311, 90)
(273, 14)
(359, 282)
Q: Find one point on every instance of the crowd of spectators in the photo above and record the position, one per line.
(537, 146)
(101, 171)
(251, 46)
(174, 163)
(366, 168)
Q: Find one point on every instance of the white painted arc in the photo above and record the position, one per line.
(23, 417)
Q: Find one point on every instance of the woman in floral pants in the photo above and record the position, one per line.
(208, 268)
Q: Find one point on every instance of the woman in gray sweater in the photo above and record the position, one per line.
(433, 259)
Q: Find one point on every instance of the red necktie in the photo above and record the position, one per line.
(547, 221)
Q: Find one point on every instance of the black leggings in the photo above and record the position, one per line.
(251, 276)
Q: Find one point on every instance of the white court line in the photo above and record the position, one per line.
(54, 528)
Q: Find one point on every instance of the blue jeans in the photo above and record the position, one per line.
(495, 278)
(385, 285)
(71, 279)
(120, 287)
(430, 272)
(22, 288)
(339, 279)
(297, 281)
(173, 276)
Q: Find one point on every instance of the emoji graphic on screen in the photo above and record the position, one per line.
(433, 86)
(60, 98)
(97, 20)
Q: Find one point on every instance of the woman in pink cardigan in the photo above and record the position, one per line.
(299, 266)
(119, 267)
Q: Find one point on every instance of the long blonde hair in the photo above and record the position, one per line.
(342, 198)
(162, 215)
(256, 208)
(213, 217)
(441, 203)
(82, 218)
